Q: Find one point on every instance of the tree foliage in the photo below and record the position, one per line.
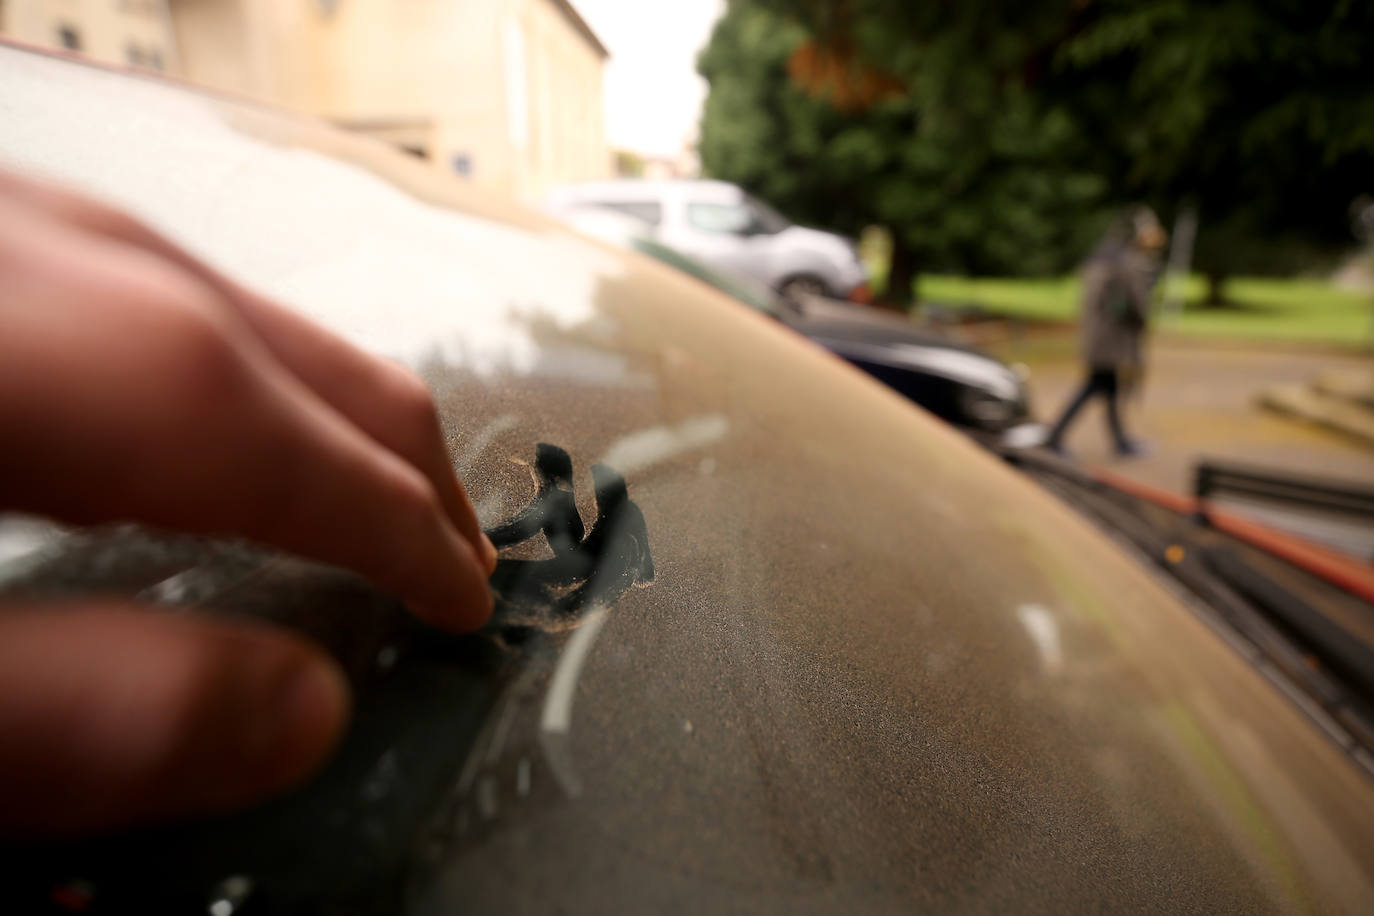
(994, 136)
(629, 164)
(1261, 113)
(978, 186)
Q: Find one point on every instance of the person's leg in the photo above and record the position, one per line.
(1061, 426)
(1107, 383)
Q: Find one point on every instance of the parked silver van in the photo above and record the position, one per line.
(720, 224)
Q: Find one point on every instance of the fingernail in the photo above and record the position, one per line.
(314, 703)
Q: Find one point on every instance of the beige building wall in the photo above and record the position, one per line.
(568, 134)
(505, 92)
(130, 32)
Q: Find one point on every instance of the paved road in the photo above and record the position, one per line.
(1200, 402)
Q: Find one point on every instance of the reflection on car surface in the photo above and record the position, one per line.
(956, 383)
(846, 660)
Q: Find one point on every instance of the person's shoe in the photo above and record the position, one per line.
(1134, 448)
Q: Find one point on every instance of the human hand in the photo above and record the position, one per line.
(138, 384)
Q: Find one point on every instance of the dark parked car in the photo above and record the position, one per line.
(779, 643)
(956, 383)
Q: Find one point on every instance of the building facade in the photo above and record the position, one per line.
(134, 32)
(507, 93)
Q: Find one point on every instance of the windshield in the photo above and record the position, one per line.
(768, 636)
(765, 217)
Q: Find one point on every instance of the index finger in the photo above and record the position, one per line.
(390, 404)
(131, 395)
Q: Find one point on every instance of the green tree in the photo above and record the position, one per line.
(977, 186)
(1261, 113)
(1006, 130)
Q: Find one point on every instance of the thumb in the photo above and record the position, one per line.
(111, 715)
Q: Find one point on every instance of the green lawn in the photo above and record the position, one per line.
(1263, 309)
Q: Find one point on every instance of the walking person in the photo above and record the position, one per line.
(1118, 277)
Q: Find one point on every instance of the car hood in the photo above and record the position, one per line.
(869, 667)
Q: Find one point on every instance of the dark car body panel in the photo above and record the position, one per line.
(875, 669)
(940, 395)
(958, 384)
(951, 381)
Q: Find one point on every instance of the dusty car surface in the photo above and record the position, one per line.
(817, 652)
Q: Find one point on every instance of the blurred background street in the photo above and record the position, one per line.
(1203, 400)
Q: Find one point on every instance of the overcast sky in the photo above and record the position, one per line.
(653, 93)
